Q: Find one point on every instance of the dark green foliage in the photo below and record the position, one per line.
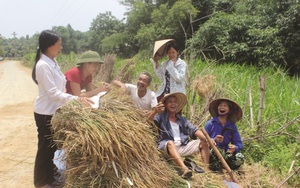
(251, 35)
(289, 32)
(103, 26)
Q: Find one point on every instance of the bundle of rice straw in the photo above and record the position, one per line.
(105, 71)
(204, 85)
(112, 146)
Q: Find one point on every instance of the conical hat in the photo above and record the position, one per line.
(160, 47)
(181, 99)
(236, 113)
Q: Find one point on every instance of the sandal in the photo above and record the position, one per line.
(192, 165)
(187, 174)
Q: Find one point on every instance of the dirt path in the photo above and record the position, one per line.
(18, 135)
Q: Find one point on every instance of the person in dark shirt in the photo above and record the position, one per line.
(175, 132)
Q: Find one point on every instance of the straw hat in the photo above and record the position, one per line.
(89, 57)
(236, 112)
(160, 47)
(180, 98)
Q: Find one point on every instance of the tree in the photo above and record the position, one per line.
(289, 31)
(68, 38)
(168, 22)
(103, 26)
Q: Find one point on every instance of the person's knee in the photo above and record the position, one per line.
(203, 146)
(171, 145)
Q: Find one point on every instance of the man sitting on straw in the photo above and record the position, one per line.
(141, 96)
(175, 131)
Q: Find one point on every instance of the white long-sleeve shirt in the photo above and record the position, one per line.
(51, 86)
(177, 76)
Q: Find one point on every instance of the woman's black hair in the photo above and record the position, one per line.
(172, 45)
(46, 39)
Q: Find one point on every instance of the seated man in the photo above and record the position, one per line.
(141, 96)
(175, 131)
(222, 129)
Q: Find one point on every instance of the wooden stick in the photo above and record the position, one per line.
(291, 167)
(220, 157)
(280, 184)
(251, 108)
(262, 83)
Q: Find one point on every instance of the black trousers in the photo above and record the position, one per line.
(44, 167)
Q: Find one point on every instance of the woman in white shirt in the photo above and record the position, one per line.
(171, 72)
(51, 85)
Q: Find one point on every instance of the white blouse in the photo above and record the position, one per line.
(177, 76)
(51, 86)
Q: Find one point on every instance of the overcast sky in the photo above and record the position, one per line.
(26, 17)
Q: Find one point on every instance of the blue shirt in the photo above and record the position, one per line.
(186, 128)
(230, 132)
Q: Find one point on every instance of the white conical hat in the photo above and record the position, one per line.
(160, 47)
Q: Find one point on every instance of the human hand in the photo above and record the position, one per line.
(213, 141)
(156, 58)
(160, 108)
(231, 149)
(85, 101)
(219, 138)
(146, 112)
(106, 86)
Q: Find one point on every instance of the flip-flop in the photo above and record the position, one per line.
(191, 164)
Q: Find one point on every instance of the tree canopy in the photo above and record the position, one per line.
(253, 32)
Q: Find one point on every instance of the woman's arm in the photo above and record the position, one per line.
(75, 88)
(237, 141)
(159, 108)
(158, 69)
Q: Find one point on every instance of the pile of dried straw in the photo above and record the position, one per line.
(115, 135)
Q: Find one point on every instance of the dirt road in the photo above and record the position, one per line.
(18, 135)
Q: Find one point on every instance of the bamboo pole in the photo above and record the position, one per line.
(220, 157)
(262, 83)
(291, 167)
(251, 108)
(281, 183)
